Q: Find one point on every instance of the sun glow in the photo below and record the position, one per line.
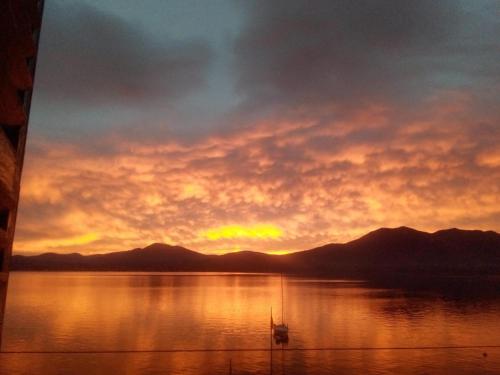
(259, 231)
(55, 243)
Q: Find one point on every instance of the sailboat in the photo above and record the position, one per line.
(280, 331)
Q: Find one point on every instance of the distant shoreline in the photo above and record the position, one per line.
(382, 254)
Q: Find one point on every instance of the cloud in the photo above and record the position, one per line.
(89, 56)
(316, 184)
(354, 115)
(300, 56)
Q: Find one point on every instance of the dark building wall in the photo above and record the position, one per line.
(20, 22)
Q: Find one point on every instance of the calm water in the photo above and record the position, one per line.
(185, 312)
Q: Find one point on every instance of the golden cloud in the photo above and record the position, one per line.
(275, 186)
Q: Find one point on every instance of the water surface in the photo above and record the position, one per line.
(361, 329)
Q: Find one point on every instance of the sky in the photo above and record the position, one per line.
(271, 126)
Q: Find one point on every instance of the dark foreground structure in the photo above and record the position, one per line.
(20, 22)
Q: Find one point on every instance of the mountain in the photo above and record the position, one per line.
(383, 251)
(153, 257)
(404, 249)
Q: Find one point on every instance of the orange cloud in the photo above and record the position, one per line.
(275, 186)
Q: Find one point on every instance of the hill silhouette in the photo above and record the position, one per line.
(381, 252)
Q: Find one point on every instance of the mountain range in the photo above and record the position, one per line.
(383, 251)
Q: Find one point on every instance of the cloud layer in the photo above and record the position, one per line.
(93, 57)
(316, 184)
(351, 116)
(304, 56)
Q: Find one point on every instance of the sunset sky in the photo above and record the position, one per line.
(260, 125)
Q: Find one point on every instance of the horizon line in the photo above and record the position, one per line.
(272, 252)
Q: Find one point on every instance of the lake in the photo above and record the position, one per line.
(203, 323)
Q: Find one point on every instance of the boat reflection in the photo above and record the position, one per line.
(281, 340)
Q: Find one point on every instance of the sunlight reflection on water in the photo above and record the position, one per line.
(128, 311)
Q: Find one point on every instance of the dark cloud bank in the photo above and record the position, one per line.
(91, 57)
(351, 53)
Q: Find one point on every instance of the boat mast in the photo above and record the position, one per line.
(282, 310)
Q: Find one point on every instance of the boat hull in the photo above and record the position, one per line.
(280, 331)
